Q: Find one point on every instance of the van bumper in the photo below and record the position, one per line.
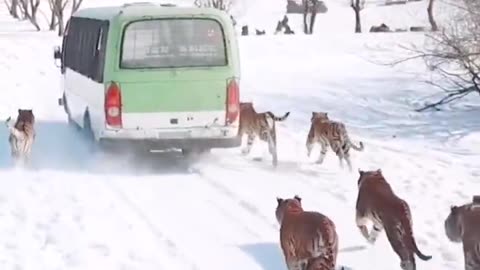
(197, 138)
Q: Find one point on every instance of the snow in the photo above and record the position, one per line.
(264, 15)
(74, 211)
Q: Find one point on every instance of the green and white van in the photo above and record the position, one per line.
(151, 75)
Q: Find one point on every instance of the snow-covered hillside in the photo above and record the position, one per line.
(264, 15)
(161, 212)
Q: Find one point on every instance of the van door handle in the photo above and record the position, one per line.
(173, 121)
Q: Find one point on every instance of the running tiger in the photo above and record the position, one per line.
(22, 136)
(378, 203)
(259, 124)
(462, 225)
(331, 133)
(308, 239)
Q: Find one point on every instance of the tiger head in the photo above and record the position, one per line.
(246, 105)
(291, 205)
(24, 116)
(454, 223)
(369, 174)
(319, 115)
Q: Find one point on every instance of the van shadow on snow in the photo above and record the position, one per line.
(59, 146)
(270, 257)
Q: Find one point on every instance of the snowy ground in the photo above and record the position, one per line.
(218, 213)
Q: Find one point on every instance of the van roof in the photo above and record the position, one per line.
(143, 9)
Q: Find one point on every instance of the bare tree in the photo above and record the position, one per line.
(357, 6)
(309, 7)
(58, 10)
(454, 55)
(13, 7)
(431, 19)
(29, 8)
(76, 5)
(58, 13)
(53, 17)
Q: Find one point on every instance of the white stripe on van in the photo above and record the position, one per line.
(173, 119)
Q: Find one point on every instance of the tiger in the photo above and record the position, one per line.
(22, 135)
(461, 225)
(331, 133)
(308, 239)
(262, 125)
(376, 202)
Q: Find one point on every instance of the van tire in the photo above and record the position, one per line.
(195, 151)
(70, 121)
(87, 132)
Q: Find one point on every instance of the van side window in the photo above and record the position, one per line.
(85, 47)
(102, 37)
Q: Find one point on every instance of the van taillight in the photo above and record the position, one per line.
(233, 101)
(113, 106)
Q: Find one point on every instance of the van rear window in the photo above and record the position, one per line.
(173, 42)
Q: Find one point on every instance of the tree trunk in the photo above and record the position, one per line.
(356, 8)
(14, 9)
(358, 24)
(61, 26)
(30, 9)
(431, 19)
(305, 13)
(314, 15)
(76, 5)
(33, 20)
(53, 21)
(34, 8)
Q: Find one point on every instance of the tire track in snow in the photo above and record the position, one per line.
(164, 242)
(249, 207)
(185, 233)
(225, 211)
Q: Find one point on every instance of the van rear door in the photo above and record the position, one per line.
(174, 72)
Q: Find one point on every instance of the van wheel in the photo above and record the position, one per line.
(70, 121)
(195, 151)
(87, 132)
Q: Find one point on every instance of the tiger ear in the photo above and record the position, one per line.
(20, 111)
(476, 199)
(453, 208)
(279, 200)
(298, 198)
(360, 172)
(379, 171)
(326, 114)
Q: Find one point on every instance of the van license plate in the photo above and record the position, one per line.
(173, 134)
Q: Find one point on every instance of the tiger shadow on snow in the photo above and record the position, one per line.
(59, 146)
(306, 168)
(269, 255)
